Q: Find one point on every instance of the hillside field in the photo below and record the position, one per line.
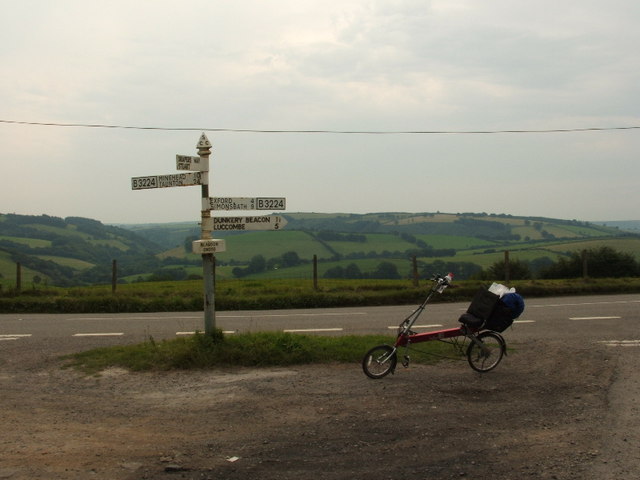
(531, 239)
(78, 251)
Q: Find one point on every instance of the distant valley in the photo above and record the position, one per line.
(79, 251)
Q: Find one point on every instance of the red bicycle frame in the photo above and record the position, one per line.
(404, 340)
(406, 336)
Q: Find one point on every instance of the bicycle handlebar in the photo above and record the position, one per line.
(442, 282)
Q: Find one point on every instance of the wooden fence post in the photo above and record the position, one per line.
(315, 272)
(18, 276)
(114, 276)
(507, 270)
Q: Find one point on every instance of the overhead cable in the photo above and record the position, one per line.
(347, 132)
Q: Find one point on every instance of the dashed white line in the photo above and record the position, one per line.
(621, 343)
(617, 302)
(434, 325)
(593, 318)
(16, 336)
(193, 333)
(112, 334)
(294, 315)
(312, 330)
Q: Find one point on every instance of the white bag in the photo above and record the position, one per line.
(500, 289)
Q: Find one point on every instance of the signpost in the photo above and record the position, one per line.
(208, 258)
(266, 222)
(247, 203)
(209, 246)
(197, 173)
(197, 164)
(164, 181)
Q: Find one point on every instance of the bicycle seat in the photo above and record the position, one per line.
(470, 321)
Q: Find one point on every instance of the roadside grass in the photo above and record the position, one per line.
(260, 349)
(248, 294)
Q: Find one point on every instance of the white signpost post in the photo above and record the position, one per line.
(197, 173)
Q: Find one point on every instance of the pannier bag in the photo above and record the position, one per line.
(483, 304)
(498, 313)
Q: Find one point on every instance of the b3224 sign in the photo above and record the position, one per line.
(164, 181)
(246, 203)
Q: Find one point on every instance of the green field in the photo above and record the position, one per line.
(627, 244)
(8, 272)
(67, 262)
(30, 242)
(456, 242)
(270, 245)
(77, 251)
(468, 249)
(375, 242)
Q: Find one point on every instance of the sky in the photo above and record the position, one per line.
(312, 101)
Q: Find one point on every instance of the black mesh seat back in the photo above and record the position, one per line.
(470, 320)
(501, 318)
(483, 304)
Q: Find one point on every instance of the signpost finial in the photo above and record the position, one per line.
(203, 142)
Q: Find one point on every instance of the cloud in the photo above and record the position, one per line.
(405, 65)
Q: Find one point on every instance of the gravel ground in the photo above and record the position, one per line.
(548, 411)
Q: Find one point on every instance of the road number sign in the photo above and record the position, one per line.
(204, 247)
(163, 181)
(195, 164)
(265, 222)
(245, 203)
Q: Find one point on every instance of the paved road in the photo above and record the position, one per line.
(613, 318)
(30, 342)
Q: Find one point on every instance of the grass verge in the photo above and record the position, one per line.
(279, 294)
(247, 350)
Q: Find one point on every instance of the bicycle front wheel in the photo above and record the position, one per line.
(379, 361)
(485, 353)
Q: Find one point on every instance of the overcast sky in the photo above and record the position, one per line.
(338, 65)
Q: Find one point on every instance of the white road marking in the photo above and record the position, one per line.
(16, 336)
(300, 330)
(524, 321)
(621, 343)
(435, 325)
(191, 317)
(617, 302)
(593, 318)
(114, 334)
(294, 315)
(193, 333)
(102, 319)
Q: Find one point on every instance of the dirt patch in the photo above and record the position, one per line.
(541, 414)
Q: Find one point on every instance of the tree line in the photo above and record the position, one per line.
(600, 262)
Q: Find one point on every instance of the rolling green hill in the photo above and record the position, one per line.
(68, 251)
(76, 250)
(339, 239)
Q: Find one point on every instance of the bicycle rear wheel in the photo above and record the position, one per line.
(379, 361)
(486, 353)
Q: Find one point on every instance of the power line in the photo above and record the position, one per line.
(346, 132)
